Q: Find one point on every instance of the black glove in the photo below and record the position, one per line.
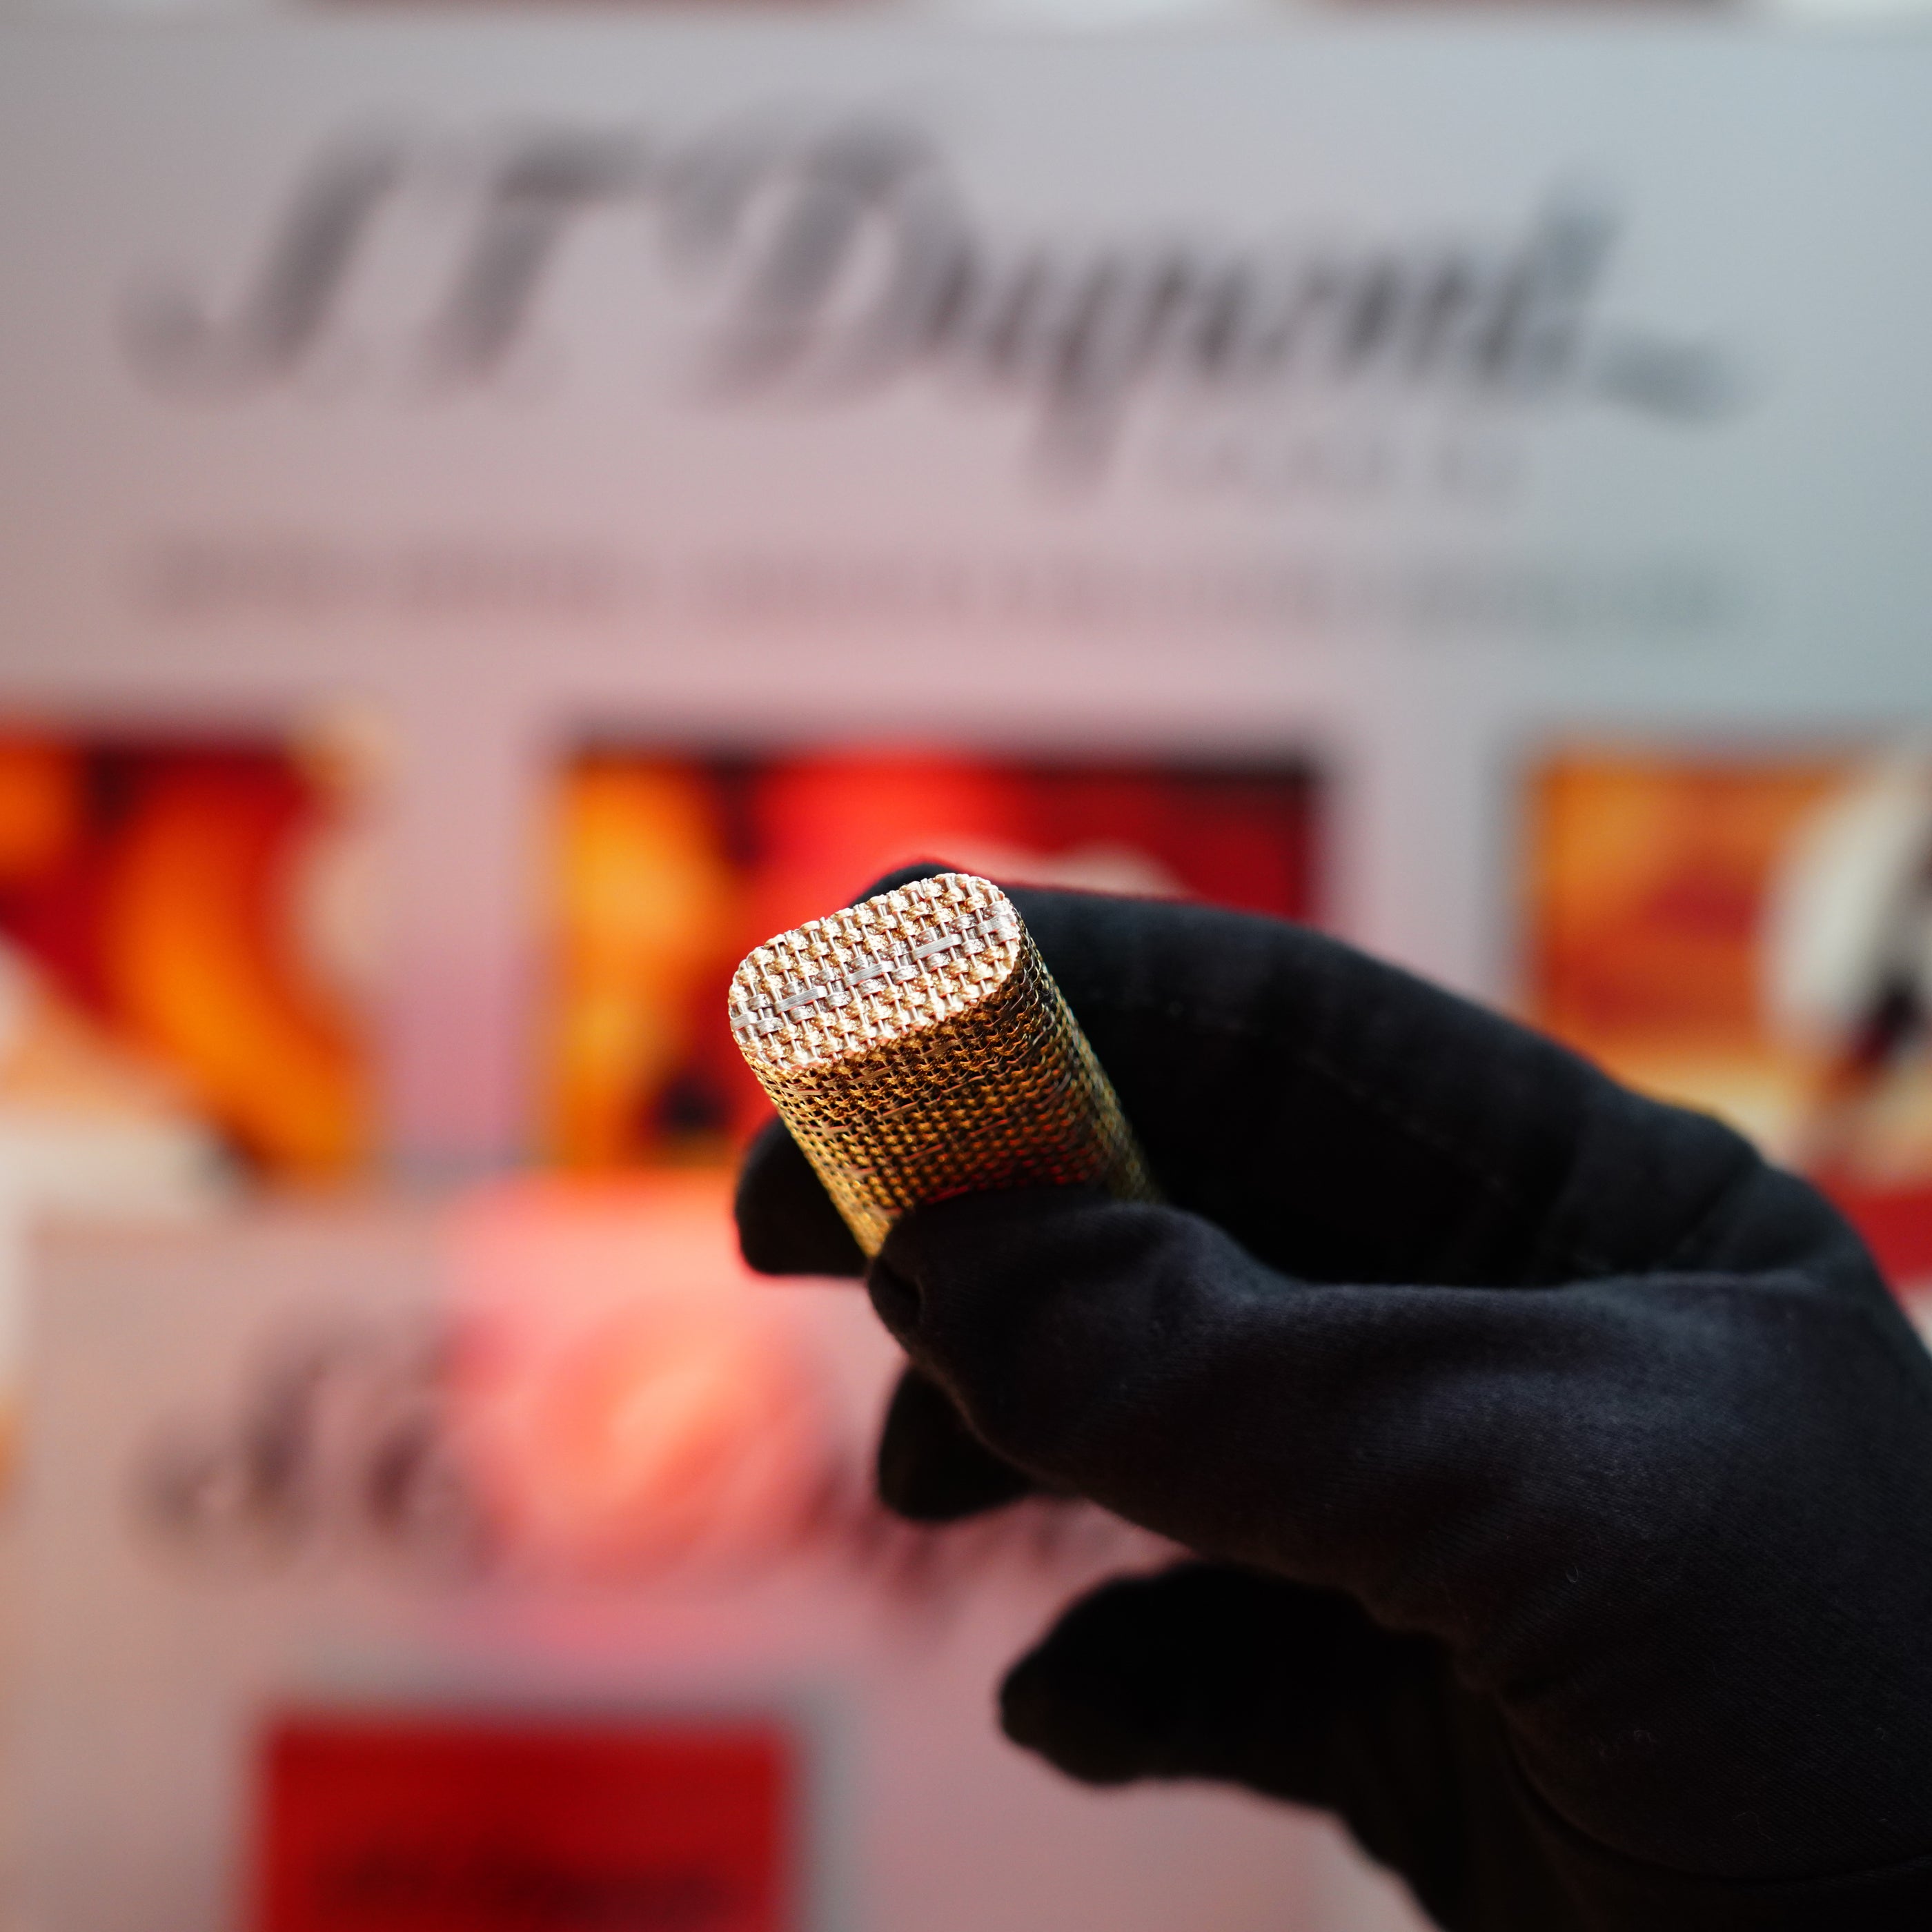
(1566, 1472)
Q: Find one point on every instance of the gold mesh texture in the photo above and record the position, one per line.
(916, 1047)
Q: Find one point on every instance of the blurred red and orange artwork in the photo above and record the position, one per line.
(1747, 932)
(672, 865)
(175, 902)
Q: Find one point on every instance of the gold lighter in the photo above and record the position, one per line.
(916, 1047)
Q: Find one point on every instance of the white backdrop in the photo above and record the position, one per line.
(1408, 395)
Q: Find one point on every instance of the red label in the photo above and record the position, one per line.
(382, 1825)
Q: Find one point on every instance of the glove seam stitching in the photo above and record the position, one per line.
(1680, 1251)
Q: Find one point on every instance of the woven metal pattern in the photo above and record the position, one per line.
(916, 1047)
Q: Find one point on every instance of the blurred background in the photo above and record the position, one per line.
(502, 511)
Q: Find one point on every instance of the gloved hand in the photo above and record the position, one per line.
(1563, 1471)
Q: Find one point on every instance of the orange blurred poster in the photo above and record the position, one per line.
(397, 1824)
(672, 866)
(182, 922)
(1748, 933)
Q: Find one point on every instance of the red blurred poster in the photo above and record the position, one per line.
(183, 926)
(671, 867)
(383, 1824)
(1751, 933)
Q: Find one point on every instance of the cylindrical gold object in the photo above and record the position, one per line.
(916, 1047)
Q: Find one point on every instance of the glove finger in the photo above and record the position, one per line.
(787, 1224)
(932, 1468)
(1205, 1671)
(1135, 1355)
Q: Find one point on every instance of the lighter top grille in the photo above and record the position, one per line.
(880, 971)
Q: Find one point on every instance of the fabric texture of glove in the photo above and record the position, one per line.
(1562, 1472)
